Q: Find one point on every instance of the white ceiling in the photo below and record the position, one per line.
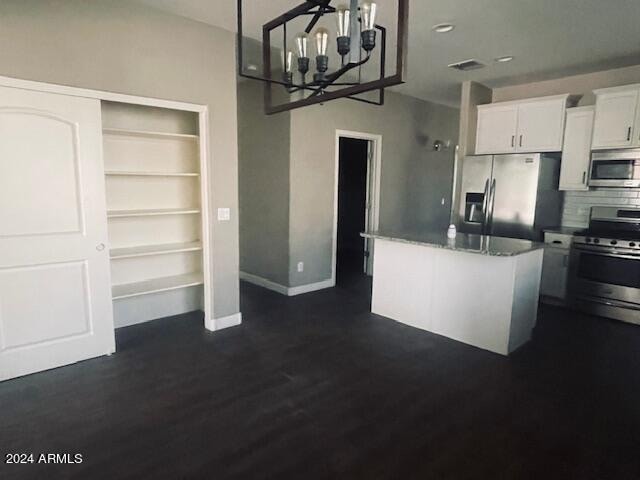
(549, 38)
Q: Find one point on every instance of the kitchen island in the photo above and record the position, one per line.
(477, 289)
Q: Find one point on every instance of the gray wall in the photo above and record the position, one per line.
(575, 84)
(263, 149)
(472, 95)
(414, 178)
(120, 47)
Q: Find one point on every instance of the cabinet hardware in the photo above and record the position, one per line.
(520, 140)
(513, 140)
(100, 247)
(628, 134)
(584, 177)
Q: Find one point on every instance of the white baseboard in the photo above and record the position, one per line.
(312, 287)
(223, 322)
(263, 282)
(281, 289)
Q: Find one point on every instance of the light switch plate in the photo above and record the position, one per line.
(224, 214)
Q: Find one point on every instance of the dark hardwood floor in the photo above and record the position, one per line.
(317, 387)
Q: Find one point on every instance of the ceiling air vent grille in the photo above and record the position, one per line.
(466, 65)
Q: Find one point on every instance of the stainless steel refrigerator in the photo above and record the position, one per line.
(512, 196)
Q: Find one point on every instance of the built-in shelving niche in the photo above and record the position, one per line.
(152, 178)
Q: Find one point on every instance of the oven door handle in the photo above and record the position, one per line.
(609, 303)
(607, 254)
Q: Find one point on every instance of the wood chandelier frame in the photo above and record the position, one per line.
(317, 91)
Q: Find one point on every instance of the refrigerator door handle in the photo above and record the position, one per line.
(492, 199)
(485, 206)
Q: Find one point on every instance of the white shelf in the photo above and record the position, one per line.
(157, 285)
(147, 250)
(151, 174)
(151, 213)
(148, 134)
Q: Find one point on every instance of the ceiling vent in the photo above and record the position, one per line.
(466, 65)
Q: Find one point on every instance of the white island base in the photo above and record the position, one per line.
(488, 298)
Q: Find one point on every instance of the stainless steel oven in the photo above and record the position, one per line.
(604, 267)
(615, 168)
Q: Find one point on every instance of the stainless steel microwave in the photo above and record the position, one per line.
(615, 168)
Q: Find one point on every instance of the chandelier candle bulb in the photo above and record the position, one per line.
(302, 40)
(343, 40)
(369, 12)
(344, 20)
(287, 73)
(322, 60)
(287, 61)
(322, 41)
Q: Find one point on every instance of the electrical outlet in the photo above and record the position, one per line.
(300, 266)
(224, 214)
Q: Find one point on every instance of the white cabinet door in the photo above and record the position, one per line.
(541, 125)
(554, 272)
(55, 299)
(636, 134)
(497, 126)
(576, 149)
(615, 118)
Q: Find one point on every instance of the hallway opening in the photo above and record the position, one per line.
(354, 207)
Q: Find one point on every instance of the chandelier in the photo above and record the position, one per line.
(357, 39)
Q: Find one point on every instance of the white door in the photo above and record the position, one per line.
(576, 149)
(55, 302)
(497, 126)
(615, 118)
(541, 126)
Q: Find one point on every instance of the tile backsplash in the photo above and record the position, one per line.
(577, 205)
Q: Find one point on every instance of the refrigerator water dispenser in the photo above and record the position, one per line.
(474, 212)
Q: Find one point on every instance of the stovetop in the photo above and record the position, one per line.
(612, 227)
(608, 238)
(613, 234)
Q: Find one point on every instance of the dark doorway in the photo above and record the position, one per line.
(352, 207)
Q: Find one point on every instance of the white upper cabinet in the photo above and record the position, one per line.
(497, 129)
(541, 125)
(616, 122)
(635, 141)
(533, 125)
(576, 150)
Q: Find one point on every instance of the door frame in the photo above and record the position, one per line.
(203, 133)
(376, 162)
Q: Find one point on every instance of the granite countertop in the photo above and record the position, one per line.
(464, 242)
